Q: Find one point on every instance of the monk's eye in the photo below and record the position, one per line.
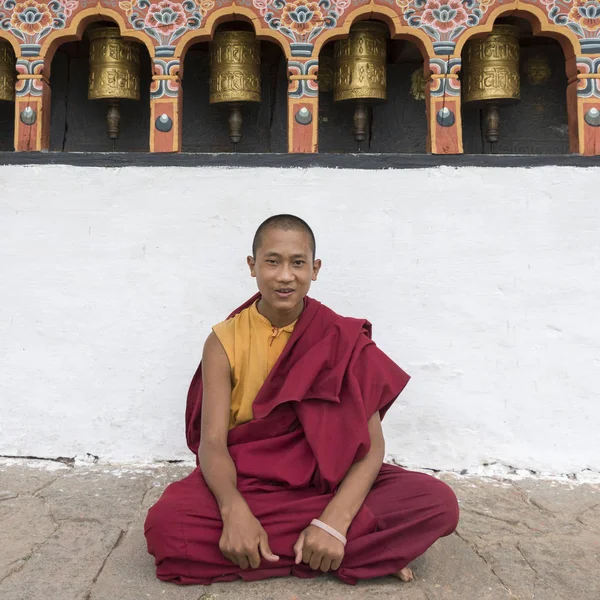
(271, 261)
(299, 263)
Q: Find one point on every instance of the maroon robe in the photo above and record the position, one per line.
(310, 425)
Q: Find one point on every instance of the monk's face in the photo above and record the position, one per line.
(284, 268)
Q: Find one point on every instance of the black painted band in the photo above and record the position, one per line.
(332, 161)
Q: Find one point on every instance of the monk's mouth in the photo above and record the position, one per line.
(284, 293)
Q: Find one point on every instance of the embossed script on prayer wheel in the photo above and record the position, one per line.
(7, 72)
(114, 66)
(360, 63)
(234, 67)
(492, 67)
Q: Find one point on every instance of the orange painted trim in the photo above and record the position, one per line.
(169, 141)
(589, 139)
(75, 30)
(443, 140)
(12, 40)
(448, 140)
(302, 77)
(28, 138)
(377, 12)
(231, 13)
(582, 126)
(573, 122)
(535, 15)
(431, 125)
(303, 138)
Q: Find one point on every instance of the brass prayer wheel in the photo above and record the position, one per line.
(491, 76)
(114, 73)
(7, 72)
(114, 66)
(360, 70)
(234, 74)
(234, 67)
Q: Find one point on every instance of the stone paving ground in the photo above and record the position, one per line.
(75, 533)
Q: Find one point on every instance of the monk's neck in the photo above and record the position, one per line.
(279, 318)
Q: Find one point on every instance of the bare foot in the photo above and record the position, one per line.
(405, 575)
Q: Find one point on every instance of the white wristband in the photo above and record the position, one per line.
(330, 530)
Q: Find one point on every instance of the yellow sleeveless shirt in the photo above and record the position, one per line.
(252, 346)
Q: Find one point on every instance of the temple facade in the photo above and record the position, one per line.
(301, 76)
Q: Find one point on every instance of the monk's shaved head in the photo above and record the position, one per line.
(285, 223)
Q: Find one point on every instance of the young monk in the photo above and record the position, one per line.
(284, 414)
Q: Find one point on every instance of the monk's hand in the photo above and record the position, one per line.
(318, 549)
(243, 540)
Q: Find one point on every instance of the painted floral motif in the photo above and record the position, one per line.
(445, 20)
(301, 16)
(444, 15)
(165, 16)
(166, 21)
(301, 20)
(586, 14)
(69, 6)
(582, 17)
(31, 21)
(31, 17)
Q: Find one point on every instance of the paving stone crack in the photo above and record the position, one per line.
(36, 548)
(114, 547)
(50, 512)
(518, 546)
(512, 522)
(81, 520)
(151, 486)
(532, 502)
(8, 497)
(578, 517)
(47, 484)
(490, 567)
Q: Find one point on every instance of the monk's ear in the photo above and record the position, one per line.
(316, 269)
(252, 264)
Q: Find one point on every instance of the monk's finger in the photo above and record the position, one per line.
(335, 565)
(298, 547)
(263, 545)
(243, 561)
(254, 558)
(325, 564)
(306, 554)
(230, 557)
(315, 561)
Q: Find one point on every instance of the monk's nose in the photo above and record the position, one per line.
(285, 274)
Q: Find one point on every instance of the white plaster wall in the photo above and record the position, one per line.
(484, 284)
